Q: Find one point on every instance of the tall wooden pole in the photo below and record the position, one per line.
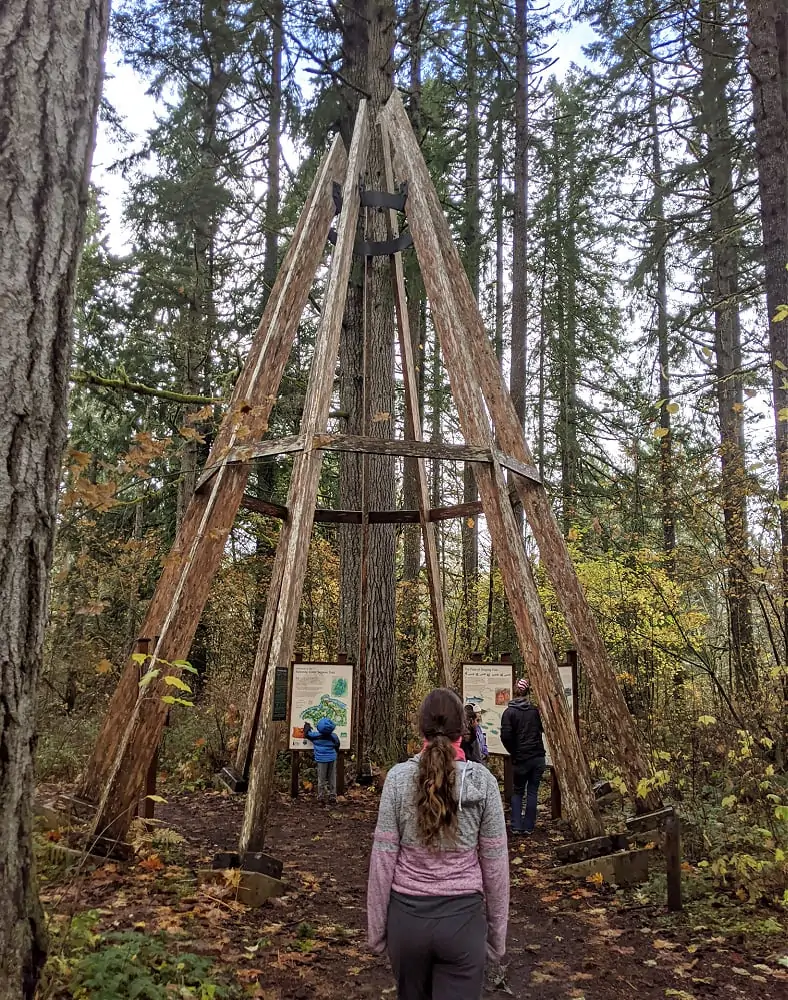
(135, 718)
(454, 322)
(428, 220)
(414, 430)
(304, 484)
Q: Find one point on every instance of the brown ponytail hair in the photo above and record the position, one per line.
(441, 720)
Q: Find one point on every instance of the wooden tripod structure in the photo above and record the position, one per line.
(495, 442)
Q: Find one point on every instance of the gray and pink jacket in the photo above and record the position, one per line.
(476, 861)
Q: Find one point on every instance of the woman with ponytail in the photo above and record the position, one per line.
(438, 894)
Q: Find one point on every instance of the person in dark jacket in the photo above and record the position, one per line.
(326, 744)
(521, 734)
(473, 743)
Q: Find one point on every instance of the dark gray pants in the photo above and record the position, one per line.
(437, 946)
(327, 781)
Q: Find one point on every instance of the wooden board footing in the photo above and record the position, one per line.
(250, 861)
(626, 868)
(252, 888)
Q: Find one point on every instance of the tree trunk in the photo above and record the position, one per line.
(200, 321)
(264, 478)
(472, 260)
(717, 69)
(368, 65)
(50, 79)
(411, 556)
(566, 240)
(767, 28)
(519, 353)
(659, 239)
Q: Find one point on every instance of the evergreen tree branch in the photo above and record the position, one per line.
(125, 385)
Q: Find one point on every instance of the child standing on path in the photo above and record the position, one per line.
(438, 893)
(326, 744)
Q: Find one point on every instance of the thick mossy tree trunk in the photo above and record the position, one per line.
(367, 384)
(50, 80)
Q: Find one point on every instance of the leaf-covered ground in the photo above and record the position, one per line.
(570, 940)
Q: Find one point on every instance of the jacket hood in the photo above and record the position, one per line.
(325, 727)
(523, 703)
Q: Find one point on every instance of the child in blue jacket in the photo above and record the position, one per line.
(326, 744)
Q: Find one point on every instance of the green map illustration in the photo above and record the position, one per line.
(339, 687)
(327, 708)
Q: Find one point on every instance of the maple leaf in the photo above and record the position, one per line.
(104, 667)
(152, 864)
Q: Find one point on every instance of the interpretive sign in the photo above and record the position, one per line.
(281, 684)
(321, 691)
(488, 686)
(567, 672)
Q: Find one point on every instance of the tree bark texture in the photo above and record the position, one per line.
(465, 342)
(520, 217)
(369, 64)
(533, 496)
(469, 530)
(659, 249)
(767, 29)
(132, 730)
(51, 63)
(302, 497)
(717, 69)
(199, 322)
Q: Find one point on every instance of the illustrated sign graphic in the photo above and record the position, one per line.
(321, 691)
(488, 686)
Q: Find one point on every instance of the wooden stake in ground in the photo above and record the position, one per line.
(135, 718)
(454, 325)
(553, 552)
(302, 496)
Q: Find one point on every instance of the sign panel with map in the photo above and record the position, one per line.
(488, 686)
(321, 690)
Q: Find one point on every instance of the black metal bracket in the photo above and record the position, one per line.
(380, 200)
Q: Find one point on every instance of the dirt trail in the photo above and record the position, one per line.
(566, 940)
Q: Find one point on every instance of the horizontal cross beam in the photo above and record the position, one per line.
(359, 444)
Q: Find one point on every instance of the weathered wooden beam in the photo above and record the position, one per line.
(253, 709)
(401, 447)
(594, 848)
(366, 445)
(673, 862)
(539, 513)
(413, 427)
(536, 504)
(304, 485)
(454, 319)
(246, 453)
(647, 822)
(134, 720)
(625, 868)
